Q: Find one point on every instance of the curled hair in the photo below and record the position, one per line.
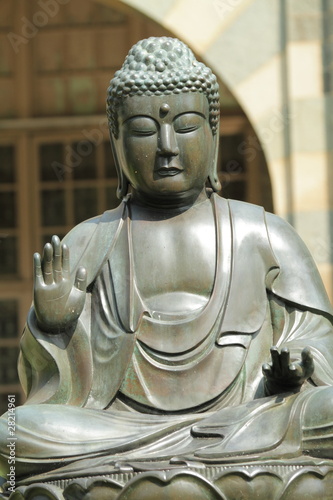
(161, 66)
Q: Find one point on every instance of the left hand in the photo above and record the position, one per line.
(281, 375)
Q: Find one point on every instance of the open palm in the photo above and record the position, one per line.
(58, 302)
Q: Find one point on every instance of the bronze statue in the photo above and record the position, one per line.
(151, 336)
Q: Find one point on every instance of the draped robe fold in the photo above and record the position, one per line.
(113, 387)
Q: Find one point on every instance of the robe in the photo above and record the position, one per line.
(116, 386)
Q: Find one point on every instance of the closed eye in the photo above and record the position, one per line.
(186, 130)
(142, 133)
(188, 122)
(141, 126)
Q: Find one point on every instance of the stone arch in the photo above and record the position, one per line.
(263, 51)
(209, 22)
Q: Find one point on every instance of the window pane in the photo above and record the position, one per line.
(51, 162)
(85, 204)
(8, 367)
(7, 164)
(84, 160)
(53, 207)
(111, 198)
(8, 254)
(110, 169)
(8, 318)
(8, 209)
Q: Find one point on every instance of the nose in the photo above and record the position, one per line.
(168, 143)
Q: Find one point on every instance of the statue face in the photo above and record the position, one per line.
(165, 145)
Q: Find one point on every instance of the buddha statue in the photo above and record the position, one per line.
(179, 325)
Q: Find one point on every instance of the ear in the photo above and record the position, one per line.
(123, 183)
(213, 176)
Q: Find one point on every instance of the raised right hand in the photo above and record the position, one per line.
(58, 302)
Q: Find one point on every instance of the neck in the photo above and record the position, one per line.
(179, 203)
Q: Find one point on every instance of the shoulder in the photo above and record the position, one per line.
(298, 280)
(288, 247)
(81, 233)
(89, 241)
(244, 210)
(247, 223)
(283, 236)
(291, 271)
(253, 219)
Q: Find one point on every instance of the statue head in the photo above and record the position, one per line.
(158, 67)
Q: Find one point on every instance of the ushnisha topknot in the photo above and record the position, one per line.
(161, 66)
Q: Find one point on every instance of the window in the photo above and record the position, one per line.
(9, 382)
(8, 211)
(8, 319)
(77, 180)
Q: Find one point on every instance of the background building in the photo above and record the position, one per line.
(273, 60)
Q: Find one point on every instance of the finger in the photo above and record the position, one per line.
(81, 279)
(275, 359)
(295, 375)
(39, 281)
(65, 260)
(47, 264)
(267, 370)
(294, 369)
(307, 362)
(57, 271)
(307, 358)
(285, 361)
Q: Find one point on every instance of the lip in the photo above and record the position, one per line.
(168, 171)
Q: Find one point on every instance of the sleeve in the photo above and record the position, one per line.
(47, 363)
(59, 368)
(56, 368)
(301, 312)
(297, 279)
(295, 327)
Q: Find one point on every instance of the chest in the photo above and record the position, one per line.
(175, 259)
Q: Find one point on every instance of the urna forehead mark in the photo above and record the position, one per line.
(164, 109)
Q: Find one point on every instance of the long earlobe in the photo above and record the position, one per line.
(213, 177)
(123, 183)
